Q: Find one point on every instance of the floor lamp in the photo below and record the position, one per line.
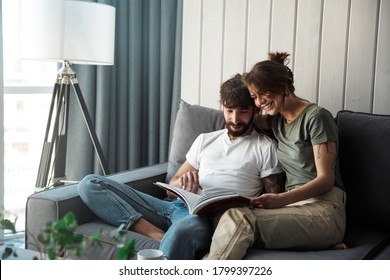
(70, 32)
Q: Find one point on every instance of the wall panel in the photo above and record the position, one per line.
(212, 52)
(283, 25)
(258, 38)
(339, 48)
(361, 55)
(191, 51)
(234, 52)
(382, 71)
(333, 54)
(307, 45)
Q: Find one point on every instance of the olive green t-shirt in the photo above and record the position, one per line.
(314, 125)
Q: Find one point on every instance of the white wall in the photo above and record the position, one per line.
(340, 49)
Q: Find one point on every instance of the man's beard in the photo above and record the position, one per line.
(243, 128)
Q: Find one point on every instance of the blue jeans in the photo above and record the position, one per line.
(117, 204)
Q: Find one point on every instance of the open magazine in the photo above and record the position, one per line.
(208, 203)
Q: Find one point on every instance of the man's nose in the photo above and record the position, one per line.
(235, 117)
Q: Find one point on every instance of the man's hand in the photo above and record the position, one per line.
(189, 181)
(186, 178)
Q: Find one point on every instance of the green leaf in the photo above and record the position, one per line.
(7, 224)
(95, 239)
(8, 251)
(60, 239)
(127, 251)
(96, 236)
(51, 254)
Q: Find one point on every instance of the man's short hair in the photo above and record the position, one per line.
(235, 94)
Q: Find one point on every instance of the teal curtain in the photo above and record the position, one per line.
(132, 104)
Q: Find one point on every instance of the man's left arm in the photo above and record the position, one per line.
(274, 183)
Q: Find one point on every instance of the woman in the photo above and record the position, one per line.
(310, 215)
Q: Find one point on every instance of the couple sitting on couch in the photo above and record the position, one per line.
(309, 215)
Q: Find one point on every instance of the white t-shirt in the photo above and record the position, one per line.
(233, 165)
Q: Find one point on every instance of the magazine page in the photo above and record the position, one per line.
(189, 198)
(208, 203)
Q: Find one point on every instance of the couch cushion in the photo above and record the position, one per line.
(191, 120)
(107, 249)
(363, 243)
(365, 167)
(384, 254)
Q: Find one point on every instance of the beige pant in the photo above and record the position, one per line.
(313, 224)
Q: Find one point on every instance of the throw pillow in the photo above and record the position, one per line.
(364, 166)
(191, 120)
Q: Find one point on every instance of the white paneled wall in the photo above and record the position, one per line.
(340, 49)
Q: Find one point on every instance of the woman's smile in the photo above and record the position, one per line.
(267, 106)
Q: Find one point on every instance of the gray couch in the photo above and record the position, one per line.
(365, 168)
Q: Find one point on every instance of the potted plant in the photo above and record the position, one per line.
(59, 239)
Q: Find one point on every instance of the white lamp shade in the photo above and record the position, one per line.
(59, 30)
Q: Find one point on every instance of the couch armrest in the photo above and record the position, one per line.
(143, 178)
(53, 204)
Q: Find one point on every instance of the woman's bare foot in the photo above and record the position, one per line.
(339, 246)
(142, 226)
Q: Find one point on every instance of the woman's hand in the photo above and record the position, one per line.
(269, 201)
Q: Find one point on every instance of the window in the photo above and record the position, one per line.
(27, 94)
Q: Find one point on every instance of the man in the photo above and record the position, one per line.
(236, 158)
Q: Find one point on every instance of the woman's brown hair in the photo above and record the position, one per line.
(273, 75)
(270, 76)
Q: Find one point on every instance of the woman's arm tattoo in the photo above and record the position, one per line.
(334, 158)
(274, 183)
